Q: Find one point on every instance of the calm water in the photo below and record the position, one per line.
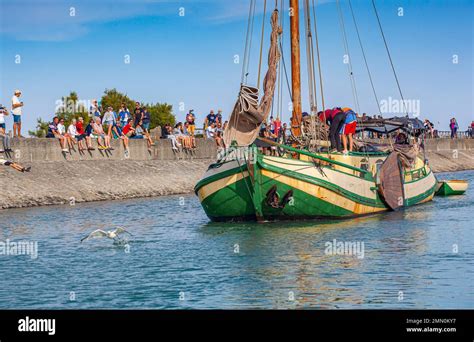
(177, 259)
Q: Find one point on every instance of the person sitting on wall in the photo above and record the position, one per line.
(81, 135)
(211, 131)
(167, 133)
(88, 133)
(14, 165)
(190, 120)
(180, 136)
(102, 139)
(185, 130)
(53, 132)
(119, 131)
(219, 140)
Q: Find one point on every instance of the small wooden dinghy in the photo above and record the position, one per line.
(451, 187)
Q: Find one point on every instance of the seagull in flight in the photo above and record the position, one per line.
(111, 234)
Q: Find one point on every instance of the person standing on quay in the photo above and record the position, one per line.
(17, 106)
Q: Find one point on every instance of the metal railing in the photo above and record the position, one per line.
(447, 134)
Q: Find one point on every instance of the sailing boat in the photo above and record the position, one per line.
(300, 183)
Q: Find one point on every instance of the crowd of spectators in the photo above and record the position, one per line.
(104, 126)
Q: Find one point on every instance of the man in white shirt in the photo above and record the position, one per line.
(17, 106)
(211, 131)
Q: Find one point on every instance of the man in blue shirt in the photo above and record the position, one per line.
(210, 119)
(124, 114)
(146, 118)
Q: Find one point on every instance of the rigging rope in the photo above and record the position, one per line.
(349, 64)
(286, 73)
(317, 53)
(368, 72)
(244, 62)
(310, 59)
(389, 56)
(365, 58)
(248, 41)
(261, 43)
(280, 79)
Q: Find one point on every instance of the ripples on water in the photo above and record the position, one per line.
(408, 263)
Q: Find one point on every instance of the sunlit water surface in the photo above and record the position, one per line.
(422, 257)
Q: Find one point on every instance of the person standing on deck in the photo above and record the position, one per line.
(335, 119)
(282, 134)
(348, 129)
(17, 111)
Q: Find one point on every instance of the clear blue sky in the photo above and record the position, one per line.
(190, 58)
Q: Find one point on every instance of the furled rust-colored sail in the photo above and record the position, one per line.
(391, 185)
(247, 116)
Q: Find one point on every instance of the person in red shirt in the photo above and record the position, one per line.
(335, 118)
(81, 134)
(128, 129)
(122, 133)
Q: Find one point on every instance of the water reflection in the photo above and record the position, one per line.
(408, 259)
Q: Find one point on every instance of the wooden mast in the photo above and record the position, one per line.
(295, 68)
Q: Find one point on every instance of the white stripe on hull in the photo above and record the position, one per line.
(358, 186)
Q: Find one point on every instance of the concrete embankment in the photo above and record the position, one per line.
(446, 155)
(58, 178)
(85, 181)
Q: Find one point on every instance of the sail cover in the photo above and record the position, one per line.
(391, 186)
(248, 114)
(413, 126)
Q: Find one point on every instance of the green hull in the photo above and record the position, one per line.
(232, 193)
(446, 190)
(231, 203)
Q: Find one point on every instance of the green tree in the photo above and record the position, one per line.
(71, 107)
(114, 99)
(68, 107)
(41, 129)
(160, 113)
